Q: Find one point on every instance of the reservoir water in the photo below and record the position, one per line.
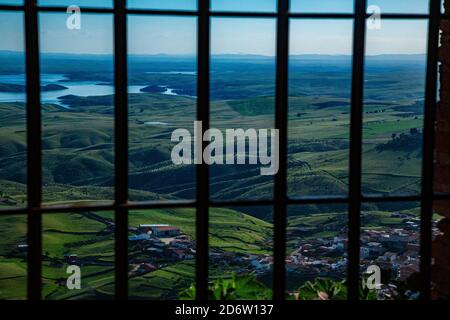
(77, 88)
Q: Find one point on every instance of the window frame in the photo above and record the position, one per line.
(121, 206)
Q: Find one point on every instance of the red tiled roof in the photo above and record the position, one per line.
(167, 228)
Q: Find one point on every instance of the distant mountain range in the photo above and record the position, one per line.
(222, 56)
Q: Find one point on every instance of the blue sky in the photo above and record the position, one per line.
(410, 6)
(171, 35)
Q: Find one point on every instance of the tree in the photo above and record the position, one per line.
(413, 131)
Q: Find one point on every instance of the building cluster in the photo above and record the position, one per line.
(318, 258)
(393, 249)
(242, 263)
(155, 245)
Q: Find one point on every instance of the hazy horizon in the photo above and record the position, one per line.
(216, 54)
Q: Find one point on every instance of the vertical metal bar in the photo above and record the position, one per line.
(34, 157)
(355, 168)
(121, 149)
(203, 48)
(281, 123)
(428, 150)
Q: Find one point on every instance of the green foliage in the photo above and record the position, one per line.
(404, 141)
(366, 293)
(189, 294)
(328, 289)
(220, 289)
(223, 289)
(234, 288)
(254, 107)
(322, 289)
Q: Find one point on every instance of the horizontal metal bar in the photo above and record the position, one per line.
(220, 204)
(399, 198)
(13, 211)
(128, 206)
(237, 14)
(318, 15)
(401, 16)
(5, 7)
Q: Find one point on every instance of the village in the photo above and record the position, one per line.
(393, 249)
(154, 246)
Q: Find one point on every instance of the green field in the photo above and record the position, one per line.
(80, 234)
(78, 167)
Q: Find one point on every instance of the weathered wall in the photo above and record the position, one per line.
(441, 245)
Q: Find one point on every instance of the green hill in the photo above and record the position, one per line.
(87, 236)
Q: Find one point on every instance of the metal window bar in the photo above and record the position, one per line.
(355, 167)
(219, 204)
(202, 206)
(35, 208)
(316, 15)
(34, 147)
(428, 150)
(121, 149)
(281, 123)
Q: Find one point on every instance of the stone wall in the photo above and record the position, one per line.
(441, 245)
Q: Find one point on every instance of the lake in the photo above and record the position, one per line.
(77, 88)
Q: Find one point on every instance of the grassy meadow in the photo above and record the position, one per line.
(78, 167)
